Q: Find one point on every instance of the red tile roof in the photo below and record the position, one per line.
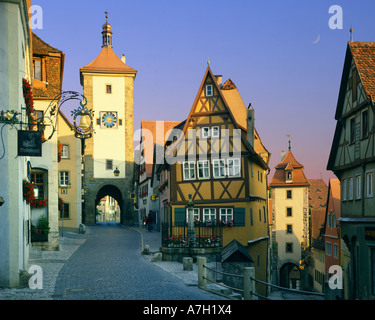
(108, 62)
(298, 176)
(364, 57)
(318, 193)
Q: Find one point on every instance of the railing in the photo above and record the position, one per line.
(249, 281)
(207, 236)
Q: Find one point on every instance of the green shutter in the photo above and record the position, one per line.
(179, 216)
(239, 217)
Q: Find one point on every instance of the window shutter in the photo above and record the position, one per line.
(239, 217)
(179, 216)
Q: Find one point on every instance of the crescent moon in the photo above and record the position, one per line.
(317, 39)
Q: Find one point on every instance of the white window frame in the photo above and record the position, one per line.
(335, 250)
(350, 188)
(370, 184)
(209, 214)
(215, 132)
(220, 165)
(65, 151)
(231, 169)
(224, 213)
(195, 214)
(209, 90)
(205, 132)
(203, 165)
(190, 169)
(358, 181)
(329, 248)
(64, 178)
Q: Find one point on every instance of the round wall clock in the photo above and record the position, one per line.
(109, 119)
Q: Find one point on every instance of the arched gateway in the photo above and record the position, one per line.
(109, 155)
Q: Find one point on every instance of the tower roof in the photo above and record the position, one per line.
(289, 163)
(107, 61)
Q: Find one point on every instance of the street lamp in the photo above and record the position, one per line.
(116, 172)
(191, 236)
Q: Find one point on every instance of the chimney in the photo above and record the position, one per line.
(123, 58)
(283, 154)
(219, 80)
(250, 126)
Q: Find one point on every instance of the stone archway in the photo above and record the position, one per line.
(114, 192)
(290, 276)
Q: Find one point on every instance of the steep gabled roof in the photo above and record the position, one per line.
(363, 54)
(235, 107)
(42, 48)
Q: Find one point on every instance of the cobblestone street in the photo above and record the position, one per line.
(106, 264)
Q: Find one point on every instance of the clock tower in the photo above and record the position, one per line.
(108, 156)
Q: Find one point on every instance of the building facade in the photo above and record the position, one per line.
(108, 86)
(16, 65)
(290, 219)
(69, 176)
(352, 159)
(221, 162)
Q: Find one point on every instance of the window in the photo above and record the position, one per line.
(289, 229)
(65, 211)
(195, 214)
(289, 247)
(234, 167)
(350, 189)
(108, 89)
(189, 170)
(336, 250)
(358, 187)
(329, 248)
(109, 164)
(343, 190)
(37, 179)
(65, 152)
(352, 130)
(289, 194)
(226, 214)
(209, 214)
(209, 90)
(37, 69)
(218, 168)
(264, 214)
(369, 184)
(203, 169)
(373, 269)
(251, 216)
(215, 132)
(205, 132)
(64, 178)
(288, 212)
(289, 176)
(364, 124)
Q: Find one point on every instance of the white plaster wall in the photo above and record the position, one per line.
(280, 204)
(109, 143)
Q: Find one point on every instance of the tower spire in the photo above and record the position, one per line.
(351, 33)
(107, 33)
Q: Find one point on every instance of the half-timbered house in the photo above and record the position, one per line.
(352, 159)
(219, 159)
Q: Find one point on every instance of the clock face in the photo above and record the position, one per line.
(109, 119)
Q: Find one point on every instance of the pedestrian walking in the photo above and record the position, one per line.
(145, 222)
(149, 222)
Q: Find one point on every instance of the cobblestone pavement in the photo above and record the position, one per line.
(106, 264)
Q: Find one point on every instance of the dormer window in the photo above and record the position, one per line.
(289, 177)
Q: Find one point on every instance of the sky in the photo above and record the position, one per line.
(285, 57)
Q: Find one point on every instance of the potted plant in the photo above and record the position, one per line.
(40, 232)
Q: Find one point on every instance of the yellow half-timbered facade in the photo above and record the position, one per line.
(219, 159)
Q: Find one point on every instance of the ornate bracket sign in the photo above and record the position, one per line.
(29, 143)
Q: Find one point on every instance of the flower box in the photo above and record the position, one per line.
(39, 237)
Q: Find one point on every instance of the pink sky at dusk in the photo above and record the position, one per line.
(282, 55)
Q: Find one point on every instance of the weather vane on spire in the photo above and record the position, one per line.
(106, 15)
(288, 135)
